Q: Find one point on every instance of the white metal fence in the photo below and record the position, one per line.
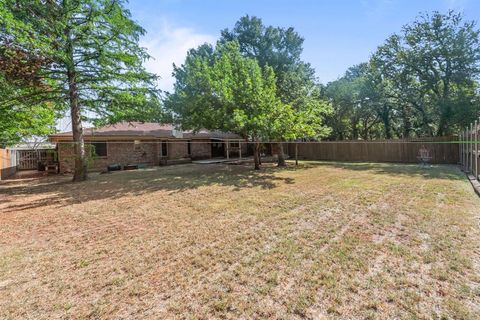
(470, 149)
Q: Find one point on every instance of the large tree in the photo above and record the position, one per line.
(420, 82)
(23, 122)
(432, 68)
(356, 102)
(219, 89)
(281, 49)
(77, 54)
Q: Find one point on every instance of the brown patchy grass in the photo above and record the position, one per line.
(325, 240)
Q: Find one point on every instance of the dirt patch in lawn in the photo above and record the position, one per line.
(323, 240)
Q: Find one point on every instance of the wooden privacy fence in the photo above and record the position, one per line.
(8, 163)
(469, 150)
(443, 150)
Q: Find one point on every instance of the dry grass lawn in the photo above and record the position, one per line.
(325, 240)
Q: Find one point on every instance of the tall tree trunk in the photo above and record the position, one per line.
(261, 147)
(256, 155)
(354, 129)
(80, 173)
(385, 114)
(296, 153)
(281, 155)
(407, 126)
(441, 126)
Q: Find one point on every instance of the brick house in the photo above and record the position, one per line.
(147, 144)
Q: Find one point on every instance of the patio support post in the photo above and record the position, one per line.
(228, 149)
(240, 149)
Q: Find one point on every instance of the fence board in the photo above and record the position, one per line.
(442, 149)
(8, 163)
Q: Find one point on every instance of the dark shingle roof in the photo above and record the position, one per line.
(146, 129)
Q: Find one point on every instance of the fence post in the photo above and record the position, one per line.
(476, 150)
(466, 149)
(471, 148)
(465, 152)
(459, 148)
(462, 158)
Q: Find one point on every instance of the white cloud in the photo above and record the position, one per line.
(167, 45)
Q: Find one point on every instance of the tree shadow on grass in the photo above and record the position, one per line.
(59, 191)
(449, 172)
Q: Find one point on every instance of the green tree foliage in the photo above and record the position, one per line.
(434, 63)
(281, 49)
(23, 122)
(77, 54)
(421, 82)
(220, 89)
(359, 104)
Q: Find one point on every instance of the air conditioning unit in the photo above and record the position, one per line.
(177, 133)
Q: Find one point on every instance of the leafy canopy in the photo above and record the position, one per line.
(47, 45)
(219, 89)
(422, 81)
(280, 49)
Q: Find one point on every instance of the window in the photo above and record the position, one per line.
(99, 149)
(164, 149)
(189, 147)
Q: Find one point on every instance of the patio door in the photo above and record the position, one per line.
(218, 149)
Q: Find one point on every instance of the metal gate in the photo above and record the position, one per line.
(28, 159)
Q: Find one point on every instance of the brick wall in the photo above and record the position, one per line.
(201, 149)
(177, 149)
(117, 152)
(147, 152)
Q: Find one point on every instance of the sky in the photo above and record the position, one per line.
(338, 33)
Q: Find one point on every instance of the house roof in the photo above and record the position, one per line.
(146, 130)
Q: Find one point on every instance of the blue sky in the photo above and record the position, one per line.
(338, 34)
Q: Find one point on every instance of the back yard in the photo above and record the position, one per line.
(329, 240)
